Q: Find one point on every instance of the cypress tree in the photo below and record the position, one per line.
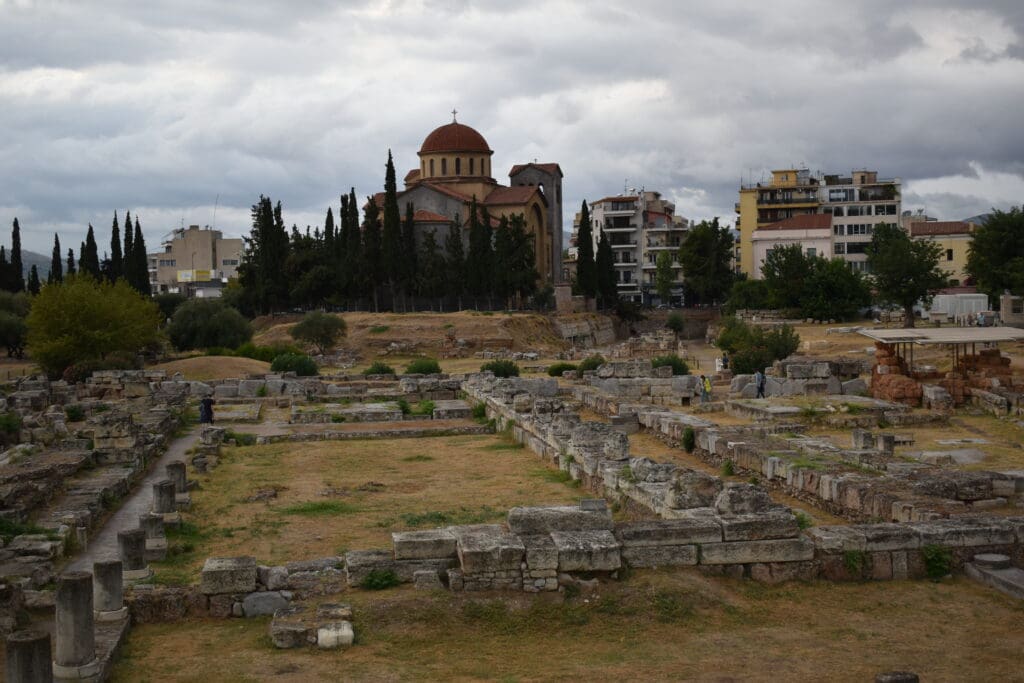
(353, 249)
(371, 275)
(33, 280)
(329, 235)
(56, 265)
(18, 279)
(479, 263)
(390, 242)
(127, 262)
(88, 257)
(586, 271)
(5, 270)
(70, 269)
(141, 261)
(455, 260)
(605, 266)
(503, 260)
(430, 280)
(522, 265)
(116, 269)
(409, 253)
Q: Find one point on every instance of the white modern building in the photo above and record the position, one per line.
(857, 203)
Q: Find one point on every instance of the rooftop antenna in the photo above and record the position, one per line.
(215, 203)
(625, 185)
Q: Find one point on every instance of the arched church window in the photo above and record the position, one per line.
(444, 166)
(458, 165)
(472, 170)
(431, 167)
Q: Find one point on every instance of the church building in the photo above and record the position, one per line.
(455, 167)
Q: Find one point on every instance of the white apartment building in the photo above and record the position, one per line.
(857, 204)
(197, 262)
(639, 225)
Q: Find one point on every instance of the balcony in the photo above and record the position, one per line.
(623, 245)
(624, 228)
(662, 247)
(793, 199)
(626, 264)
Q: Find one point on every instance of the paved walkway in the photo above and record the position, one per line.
(103, 546)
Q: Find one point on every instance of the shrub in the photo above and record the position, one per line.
(13, 331)
(322, 330)
(85, 320)
(379, 329)
(74, 413)
(501, 368)
(558, 369)
(404, 406)
(380, 579)
(678, 365)
(201, 323)
(264, 353)
(689, 440)
(728, 468)
(479, 411)
(79, 372)
(379, 368)
(937, 561)
(675, 322)
(751, 348)
(169, 303)
(803, 521)
(301, 365)
(423, 366)
(591, 363)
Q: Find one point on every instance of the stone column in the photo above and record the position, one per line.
(163, 497)
(28, 657)
(156, 540)
(75, 654)
(132, 546)
(176, 473)
(108, 591)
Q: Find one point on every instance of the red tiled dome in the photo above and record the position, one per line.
(454, 137)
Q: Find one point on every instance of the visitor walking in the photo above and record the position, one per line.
(725, 360)
(206, 411)
(702, 385)
(759, 382)
(706, 390)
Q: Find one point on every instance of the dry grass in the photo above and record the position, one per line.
(373, 488)
(203, 368)
(655, 626)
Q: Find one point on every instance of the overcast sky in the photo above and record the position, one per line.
(159, 107)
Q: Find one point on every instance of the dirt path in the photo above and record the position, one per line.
(103, 546)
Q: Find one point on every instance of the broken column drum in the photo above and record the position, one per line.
(108, 591)
(163, 497)
(152, 524)
(28, 657)
(177, 475)
(75, 652)
(132, 546)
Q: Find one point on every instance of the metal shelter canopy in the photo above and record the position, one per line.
(945, 335)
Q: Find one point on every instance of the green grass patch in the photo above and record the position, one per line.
(379, 329)
(380, 579)
(319, 508)
(556, 477)
(504, 446)
(240, 438)
(417, 458)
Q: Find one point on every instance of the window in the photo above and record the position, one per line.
(839, 248)
(840, 195)
(472, 170)
(838, 230)
(854, 211)
(168, 262)
(949, 254)
(229, 262)
(837, 211)
(444, 167)
(458, 166)
(811, 252)
(431, 167)
(856, 247)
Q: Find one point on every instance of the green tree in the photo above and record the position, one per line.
(353, 249)
(748, 295)
(127, 263)
(264, 260)
(663, 276)
(431, 278)
(480, 260)
(676, 323)
(33, 280)
(12, 334)
(410, 255)
(372, 277)
(995, 257)
(70, 267)
(586, 267)
(834, 291)
(169, 303)
(523, 263)
(903, 271)
(88, 257)
(140, 261)
(56, 265)
(116, 255)
(82, 319)
(322, 330)
(17, 266)
(786, 270)
(504, 277)
(205, 323)
(706, 257)
(604, 270)
(391, 262)
(455, 260)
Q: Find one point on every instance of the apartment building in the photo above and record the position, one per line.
(640, 225)
(856, 203)
(195, 261)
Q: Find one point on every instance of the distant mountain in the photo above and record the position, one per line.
(42, 263)
(980, 219)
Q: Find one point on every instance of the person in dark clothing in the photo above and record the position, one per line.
(206, 410)
(759, 380)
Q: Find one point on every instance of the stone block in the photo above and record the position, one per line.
(488, 548)
(966, 532)
(426, 579)
(273, 578)
(317, 565)
(289, 628)
(419, 545)
(250, 388)
(541, 553)
(359, 564)
(587, 550)
(228, 575)
(669, 532)
(543, 520)
(263, 603)
(780, 572)
(785, 550)
(334, 635)
(879, 537)
(855, 387)
(738, 499)
(759, 527)
(836, 539)
(660, 555)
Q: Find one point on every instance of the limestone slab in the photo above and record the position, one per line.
(488, 548)
(543, 520)
(669, 532)
(785, 550)
(419, 545)
(660, 555)
(228, 575)
(587, 550)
